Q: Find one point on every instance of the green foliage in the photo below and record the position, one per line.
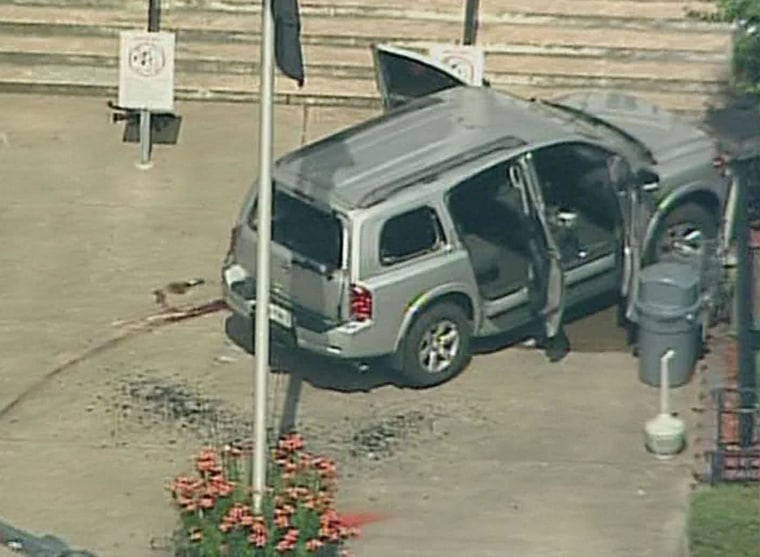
(725, 522)
(746, 59)
(736, 10)
(297, 517)
(746, 56)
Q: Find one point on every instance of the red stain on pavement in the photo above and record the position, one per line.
(359, 520)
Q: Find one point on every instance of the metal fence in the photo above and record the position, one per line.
(728, 459)
(733, 452)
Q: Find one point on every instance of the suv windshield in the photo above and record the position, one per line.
(305, 230)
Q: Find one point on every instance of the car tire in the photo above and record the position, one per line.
(686, 216)
(441, 319)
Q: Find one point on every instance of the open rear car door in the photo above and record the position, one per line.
(552, 281)
(403, 75)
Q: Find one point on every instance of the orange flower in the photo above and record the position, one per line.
(259, 534)
(281, 519)
(258, 540)
(297, 492)
(309, 502)
(305, 460)
(207, 502)
(206, 462)
(313, 544)
(291, 443)
(325, 467)
(225, 489)
(283, 546)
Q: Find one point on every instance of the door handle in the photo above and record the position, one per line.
(651, 186)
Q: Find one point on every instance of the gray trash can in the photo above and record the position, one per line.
(668, 309)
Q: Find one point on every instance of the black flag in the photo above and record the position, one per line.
(287, 39)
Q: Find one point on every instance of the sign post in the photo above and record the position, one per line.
(471, 9)
(467, 61)
(146, 76)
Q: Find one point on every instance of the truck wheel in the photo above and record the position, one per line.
(437, 346)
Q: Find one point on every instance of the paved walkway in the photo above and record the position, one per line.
(522, 458)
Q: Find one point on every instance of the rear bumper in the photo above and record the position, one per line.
(347, 341)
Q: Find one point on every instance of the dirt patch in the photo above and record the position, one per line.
(156, 402)
(149, 403)
(382, 439)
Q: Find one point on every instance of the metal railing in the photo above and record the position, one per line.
(728, 459)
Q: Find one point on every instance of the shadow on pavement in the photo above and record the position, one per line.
(592, 328)
(318, 371)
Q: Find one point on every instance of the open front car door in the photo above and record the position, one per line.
(403, 75)
(552, 279)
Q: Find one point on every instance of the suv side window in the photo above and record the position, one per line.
(409, 235)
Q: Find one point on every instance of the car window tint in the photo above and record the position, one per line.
(305, 229)
(406, 77)
(409, 234)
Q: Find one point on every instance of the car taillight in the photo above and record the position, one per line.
(234, 233)
(361, 303)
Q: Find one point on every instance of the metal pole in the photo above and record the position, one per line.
(261, 341)
(746, 363)
(154, 15)
(470, 21)
(146, 147)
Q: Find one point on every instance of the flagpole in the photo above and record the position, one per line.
(261, 340)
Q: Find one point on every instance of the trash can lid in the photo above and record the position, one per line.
(669, 284)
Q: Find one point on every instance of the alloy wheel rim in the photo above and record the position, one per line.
(439, 347)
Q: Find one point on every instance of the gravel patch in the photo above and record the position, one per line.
(149, 402)
(382, 439)
(157, 402)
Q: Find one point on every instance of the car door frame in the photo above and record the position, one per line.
(514, 311)
(383, 88)
(598, 274)
(553, 311)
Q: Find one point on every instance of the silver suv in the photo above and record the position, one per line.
(462, 213)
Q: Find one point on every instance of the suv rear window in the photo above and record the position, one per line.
(305, 230)
(409, 235)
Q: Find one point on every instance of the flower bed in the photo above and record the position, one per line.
(297, 518)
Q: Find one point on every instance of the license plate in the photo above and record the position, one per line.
(281, 316)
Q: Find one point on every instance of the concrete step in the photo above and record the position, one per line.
(356, 77)
(490, 9)
(342, 53)
(343, 62)
(226, 28)
(351, 20)
(201, 84)
(319, 89)
(534, 47)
